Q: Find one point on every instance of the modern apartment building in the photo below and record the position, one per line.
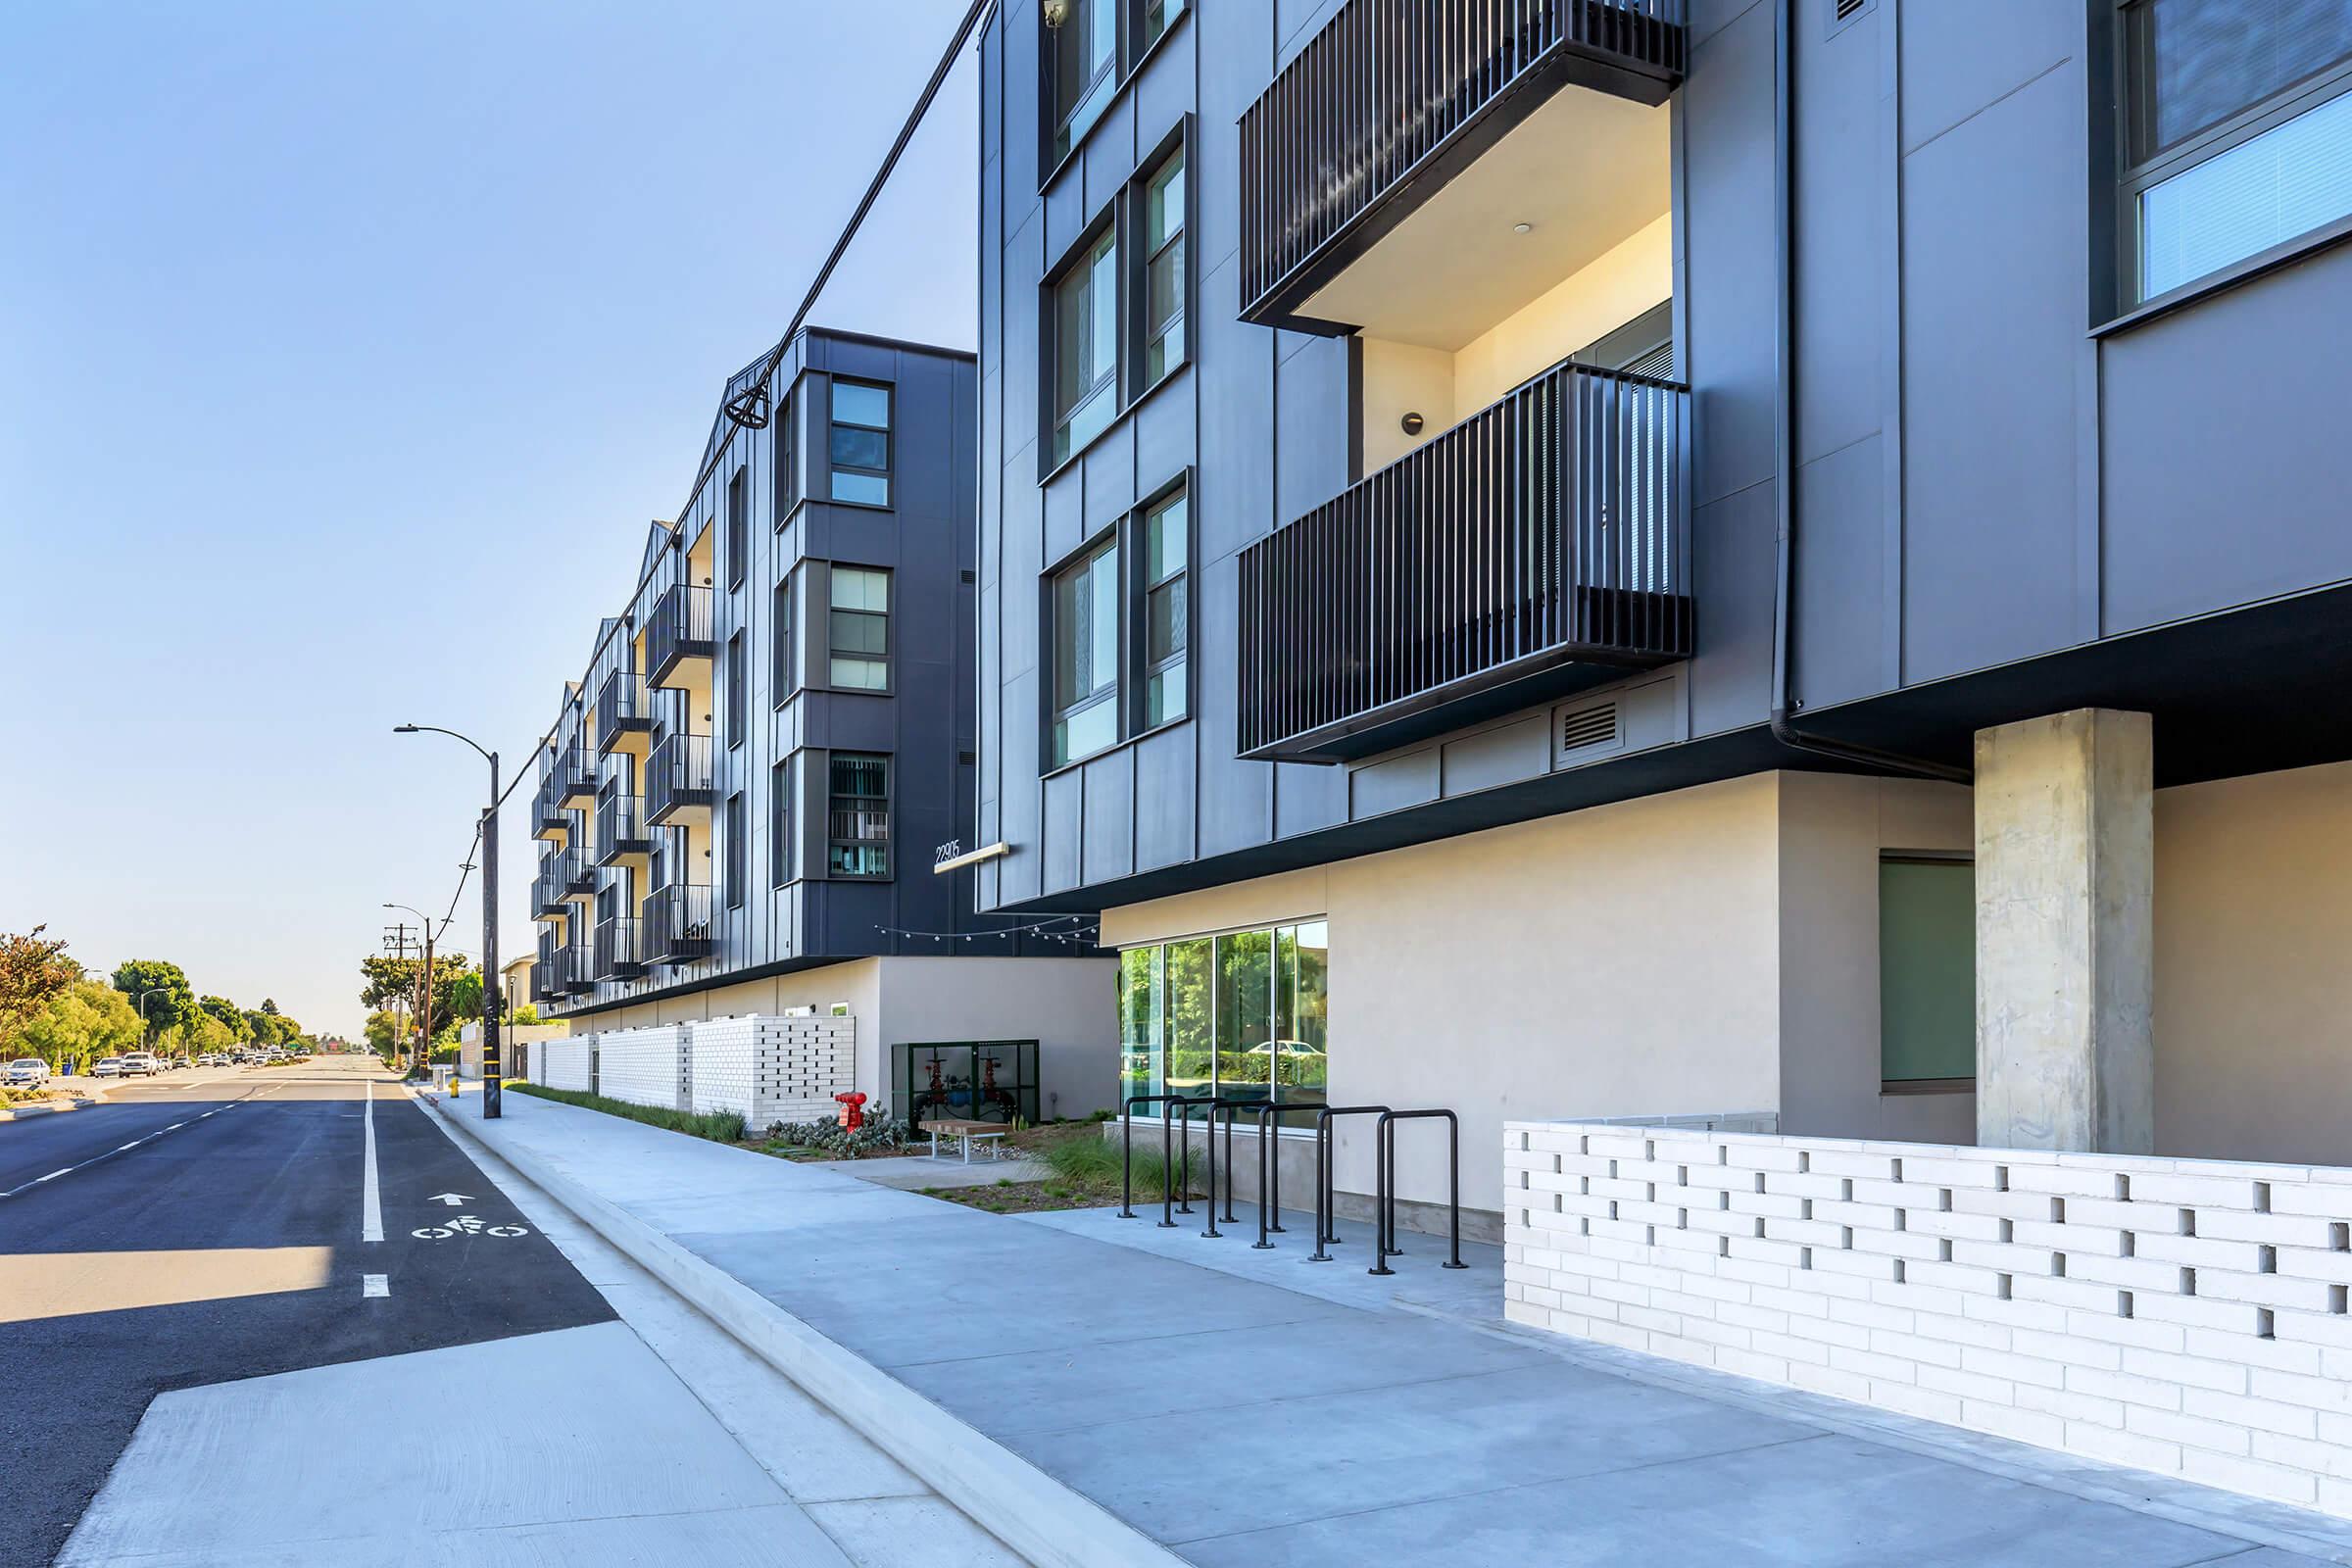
(1624, 558)
(739, 808)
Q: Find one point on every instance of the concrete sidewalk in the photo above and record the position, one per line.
(1244, 1406)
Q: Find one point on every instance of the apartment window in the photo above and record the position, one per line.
(788, 456)
(1086, 346)
(786, 662)
(736, 683)
(1243, 1015)
(857, 629)
(739, 529)
(1927, 973)
(1085, 63)
(1167, 614)
(779, 823)
(1163, 268)
(1086, 655)
(860, 442)
(857, 817)
(738, 848)
(1157, 16)
(2237, 134)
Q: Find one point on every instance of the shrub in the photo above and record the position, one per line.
(1096, 1162)
(879, 1135)
(720, 1126)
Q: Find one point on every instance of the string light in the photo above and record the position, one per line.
(1068, 930)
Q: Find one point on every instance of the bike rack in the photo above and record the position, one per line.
(1327, 1228)
(1227, 1104)
(1269, 1177)
(1127, 1154)
(1385, 1157)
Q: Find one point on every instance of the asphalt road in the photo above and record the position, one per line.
(210, 1225)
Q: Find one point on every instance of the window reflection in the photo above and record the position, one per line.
(1241, 1016)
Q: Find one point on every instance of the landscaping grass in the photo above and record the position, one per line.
(1086, 1173)
(720, 1126)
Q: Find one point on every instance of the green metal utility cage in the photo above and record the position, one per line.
(964, 1080)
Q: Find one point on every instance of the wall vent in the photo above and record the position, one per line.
(1587, 728)
(1842, 12)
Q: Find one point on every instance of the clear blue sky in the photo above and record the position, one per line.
(345, 351)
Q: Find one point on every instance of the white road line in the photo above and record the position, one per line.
(372, 1202)
(375, 1283)
(125, 1148)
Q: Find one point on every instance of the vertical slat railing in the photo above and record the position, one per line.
(1550, 520)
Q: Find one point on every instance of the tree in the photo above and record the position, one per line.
(269, 1005)
(382, 1033)
(394, 980)
(227, 1013)
(528, 1013)
(88, 1018)
(174, 1006)
(32, 971)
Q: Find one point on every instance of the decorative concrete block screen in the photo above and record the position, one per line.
(722, 1074)
(2183, 1316)
(803, 1064)
(563, 1063)
(642, 1066)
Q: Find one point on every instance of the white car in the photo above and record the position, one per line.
(27, 1072)
(140, 1062)
(107, 1067)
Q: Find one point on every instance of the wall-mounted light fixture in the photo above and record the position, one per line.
(1413, 424)
(1055, 12)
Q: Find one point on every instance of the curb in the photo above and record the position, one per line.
(1038, 1516)
(53, 1107)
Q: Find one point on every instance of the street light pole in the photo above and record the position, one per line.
(419, 1065)
(493, 991)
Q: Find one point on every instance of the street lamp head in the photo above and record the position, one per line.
(404, 729)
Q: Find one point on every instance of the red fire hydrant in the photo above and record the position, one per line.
(853, 1111)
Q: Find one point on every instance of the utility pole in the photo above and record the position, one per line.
(491, 994)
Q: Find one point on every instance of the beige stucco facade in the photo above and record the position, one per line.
(1716, 950)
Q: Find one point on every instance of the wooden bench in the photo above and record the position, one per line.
(966, 1133)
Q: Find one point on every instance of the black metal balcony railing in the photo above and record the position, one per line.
(677, 778)
(549, 821)
(576, 970)
(621, 828)
(677, 923)
(619, 955)
(1545, 536)
(573, 779)
(563, 876)
(1394, 97)
(679, 629)
(623, 707)
(543, 982)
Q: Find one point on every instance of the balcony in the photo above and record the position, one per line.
(1357, 137)
(619, 953)
(575, 972)
(677, 782)
(621, 832)
(1538, 548)
(678, 640)
(543, 982)
(677, 923)
(625, 713)
(549, 821)
(566, 877)
(572, 779)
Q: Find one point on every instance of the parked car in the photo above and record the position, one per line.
(27, 1072)
(107, 1067)
(179, 1063)
(141, 1063)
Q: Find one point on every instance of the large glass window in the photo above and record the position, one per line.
(787, 655)
(738, 685)
(788, 457)
(859, 629)
(1167, 616)
(860, 442)
(2238, 134)
(1238, 1016)
(1086, 347)
(1085, 54)
(1163, 268)
(1927, 972)
(858, 824)
(739, 528)
(738, 850)
(779, 823)
(1086, 655)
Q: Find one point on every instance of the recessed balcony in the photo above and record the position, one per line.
(679, 643)
(550, 821)
(575, 968)
(677, 783)
(1422, 168)
(566, 877)
(622, 831)
(677, 923)
(572, 779)
(625, 715)
(1537, 548)
(619, 952)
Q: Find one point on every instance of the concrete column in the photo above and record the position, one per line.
(2066, 859)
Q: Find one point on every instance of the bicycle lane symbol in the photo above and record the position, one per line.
(466, 1225)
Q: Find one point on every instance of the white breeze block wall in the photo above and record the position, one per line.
(563, 1063)
(640, 1066)
(2178, 1315)
(721, 1075)
(802, 1065)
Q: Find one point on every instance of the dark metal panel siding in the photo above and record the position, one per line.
(1841, 574)
(1727, 132)
(1842, 263)
(1064, 832)
(1730, 584)
(1236, 798)
(1109, 849)
(1995, 257)
(2219, 493)
(1956, 58)
(1165, 798)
